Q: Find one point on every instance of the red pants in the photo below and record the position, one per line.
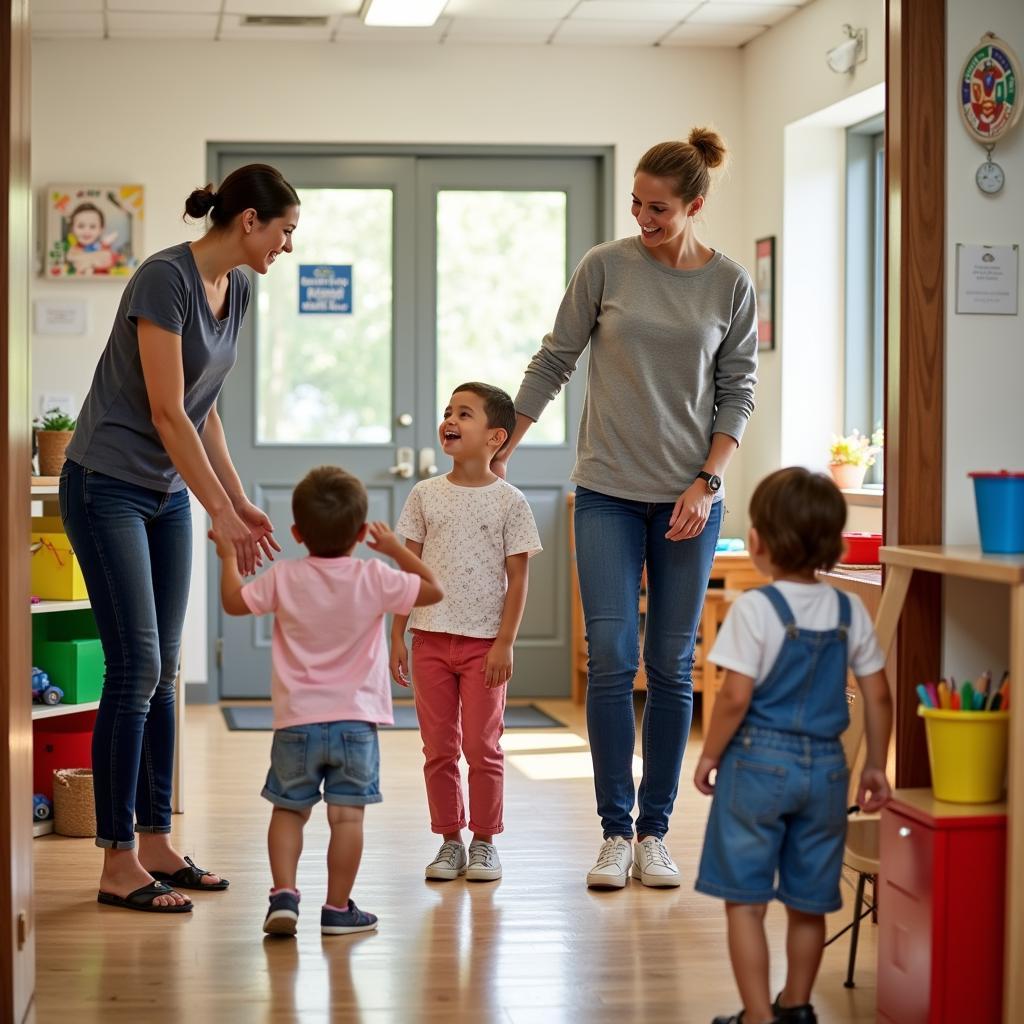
(457, 713)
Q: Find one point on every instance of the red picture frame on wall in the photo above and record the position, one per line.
(764, 288)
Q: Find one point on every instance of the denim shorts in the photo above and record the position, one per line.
(778, 822)
(343, 757)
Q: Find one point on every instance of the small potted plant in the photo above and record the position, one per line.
(53, 435)
(851, 457)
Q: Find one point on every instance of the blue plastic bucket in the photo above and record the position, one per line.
(1000, 501)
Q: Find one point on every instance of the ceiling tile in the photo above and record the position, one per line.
(232, 28)
(530, 10)
(492, 30)
(612, 33)
(67, 24)
(634, 10)
(691, 34)
(79, 6)
(164, 6)
(740, 14)
(145, 24)
(292, 8)
(351, 29)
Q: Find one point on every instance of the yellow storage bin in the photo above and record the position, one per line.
(56, 574)
(967, 752)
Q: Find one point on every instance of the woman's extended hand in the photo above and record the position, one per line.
(231, 529)
(690, 513)
(261, 528)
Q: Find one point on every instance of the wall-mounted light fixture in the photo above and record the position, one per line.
(849, 53)
(402, 13)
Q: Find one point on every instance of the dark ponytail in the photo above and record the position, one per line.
(258, 187)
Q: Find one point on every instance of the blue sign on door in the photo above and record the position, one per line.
(325, 288)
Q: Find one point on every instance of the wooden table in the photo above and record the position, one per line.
(970, 563)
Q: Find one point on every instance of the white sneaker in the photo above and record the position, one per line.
(653, 866)
(484, 865)
(612, 867)
(449, 863)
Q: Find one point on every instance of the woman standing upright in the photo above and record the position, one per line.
(148, 433)
(671, 326)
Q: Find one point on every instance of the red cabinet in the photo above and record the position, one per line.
(941, 905)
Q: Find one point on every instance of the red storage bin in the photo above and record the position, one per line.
(862, 548)
(62, 742)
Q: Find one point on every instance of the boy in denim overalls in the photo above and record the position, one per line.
(778, 822)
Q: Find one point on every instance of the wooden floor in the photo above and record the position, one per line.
(535, 948)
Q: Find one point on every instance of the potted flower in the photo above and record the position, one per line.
(53, 435)
(851, 457)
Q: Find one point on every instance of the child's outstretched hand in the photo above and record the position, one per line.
(225, 550)
(702, 776)
(381, 538)
(498, 665)
(399, 661)
(873, 781)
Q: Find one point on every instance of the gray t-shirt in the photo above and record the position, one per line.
(673, 359)
(115, 433)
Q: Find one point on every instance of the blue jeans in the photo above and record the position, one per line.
(135, 549)
(614, 539)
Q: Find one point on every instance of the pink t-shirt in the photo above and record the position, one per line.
(329, 658)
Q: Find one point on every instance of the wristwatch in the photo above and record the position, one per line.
(713, 481)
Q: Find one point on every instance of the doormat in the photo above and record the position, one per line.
(261, 718)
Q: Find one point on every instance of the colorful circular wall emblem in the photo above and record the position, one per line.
(990, 100)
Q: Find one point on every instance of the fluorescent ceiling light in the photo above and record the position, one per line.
(402, 13)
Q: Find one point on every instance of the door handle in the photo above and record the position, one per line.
(428, 464)
(403, 464)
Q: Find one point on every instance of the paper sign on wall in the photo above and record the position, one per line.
(325, 288)
(987, 279)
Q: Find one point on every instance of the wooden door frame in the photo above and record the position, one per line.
(915, 133)
(17, 942)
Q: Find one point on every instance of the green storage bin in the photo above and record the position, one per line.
(66, 646)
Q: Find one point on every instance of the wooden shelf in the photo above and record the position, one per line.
(56, 710)
(44, 607)
(44, 485)
(965, 562)
(42, 828)
(924, 803)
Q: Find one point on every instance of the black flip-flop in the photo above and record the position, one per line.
(190, 877)
(142, 899)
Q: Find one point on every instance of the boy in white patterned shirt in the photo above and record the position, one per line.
(477, 533)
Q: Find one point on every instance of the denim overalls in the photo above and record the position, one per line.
(781, 789)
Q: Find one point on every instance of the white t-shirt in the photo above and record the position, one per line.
(751, 636)
(467, 533)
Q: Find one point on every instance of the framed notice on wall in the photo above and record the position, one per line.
(764, 286)
(987, 279)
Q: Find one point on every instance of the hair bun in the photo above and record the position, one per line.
(710, 146)
(200, 202)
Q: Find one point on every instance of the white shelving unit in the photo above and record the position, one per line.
(44, 490)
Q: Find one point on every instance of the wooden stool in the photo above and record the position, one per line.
(716, 607)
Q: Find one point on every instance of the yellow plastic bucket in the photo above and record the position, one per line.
(967, 753)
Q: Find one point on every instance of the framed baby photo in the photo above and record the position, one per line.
(764, 287)
(93, 232)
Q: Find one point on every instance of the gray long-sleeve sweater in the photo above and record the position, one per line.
(673, 359)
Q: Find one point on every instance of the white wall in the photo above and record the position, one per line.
(146, 111)
(984, 354)
(787, 85)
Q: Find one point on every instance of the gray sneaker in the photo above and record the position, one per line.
(612, 867)
(484, 865)
(653, 865)
(449, 863)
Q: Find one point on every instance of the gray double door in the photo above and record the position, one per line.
(410, 274)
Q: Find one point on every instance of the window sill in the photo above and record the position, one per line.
(865, 497)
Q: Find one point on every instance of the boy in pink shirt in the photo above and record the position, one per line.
(330, 682)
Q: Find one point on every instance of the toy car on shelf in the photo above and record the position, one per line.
(43, 690)
(42, 807)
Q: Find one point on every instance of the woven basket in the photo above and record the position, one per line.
(52, 445)
(74, 813)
